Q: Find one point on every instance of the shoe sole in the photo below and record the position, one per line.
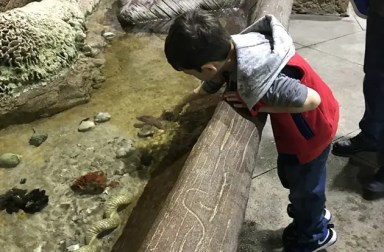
(328, 244)
(340, 154)
(371, 195)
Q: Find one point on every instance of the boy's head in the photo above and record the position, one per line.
(197, 44)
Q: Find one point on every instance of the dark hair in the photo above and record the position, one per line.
(195, 38)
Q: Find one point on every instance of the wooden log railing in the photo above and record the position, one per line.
(157, 15)
(205, 209)
(134, 12)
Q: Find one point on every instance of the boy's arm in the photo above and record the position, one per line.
(286, 95)
(312, 101)
(195, 94)
(206, 88)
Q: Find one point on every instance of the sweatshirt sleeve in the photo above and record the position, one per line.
(286, 92)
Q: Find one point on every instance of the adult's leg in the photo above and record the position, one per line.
(372, 122)
(375, 189)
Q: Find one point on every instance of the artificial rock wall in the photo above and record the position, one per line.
(36, 46)
(43, 69)
(320, 6)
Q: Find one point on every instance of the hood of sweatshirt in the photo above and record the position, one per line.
(262, 50)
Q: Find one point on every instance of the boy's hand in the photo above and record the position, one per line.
(173, 114)
(232, 97)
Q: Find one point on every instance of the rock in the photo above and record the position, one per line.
(73, 247)
(320, 6)
(98, 62)
(38, 139)
(109, 35)
(79, 36)
(125, 151)
(86, 126)
(146, 131)
(88, 51)
(42, 42)
(30, 39)
(102, 117)
(99, 79)
(12, 4)
(65, 206)
(9, 160)
(122, 152)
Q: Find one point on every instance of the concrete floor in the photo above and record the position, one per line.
(335, 48)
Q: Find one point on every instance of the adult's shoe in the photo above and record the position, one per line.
(375, 189)
(349, 146)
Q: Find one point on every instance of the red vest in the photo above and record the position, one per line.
(307, 134)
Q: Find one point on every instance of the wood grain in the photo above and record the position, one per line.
(205, 209)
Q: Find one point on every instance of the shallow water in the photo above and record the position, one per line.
(139, 81)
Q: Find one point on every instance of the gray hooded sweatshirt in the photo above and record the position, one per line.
(263, 49)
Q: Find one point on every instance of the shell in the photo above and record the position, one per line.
(86, 126)
(9, 160)
(108, 35)
(37, 139)
(102, 117)
(146, 131)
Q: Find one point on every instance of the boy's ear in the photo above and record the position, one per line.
(209, 67)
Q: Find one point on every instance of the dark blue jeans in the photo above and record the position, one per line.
(306, 184)
(372, 123)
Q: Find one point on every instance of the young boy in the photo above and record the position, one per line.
(262, 73)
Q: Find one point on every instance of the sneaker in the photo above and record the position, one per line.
(375, 189)
(348, 146)
(328, 241)
(290, 232)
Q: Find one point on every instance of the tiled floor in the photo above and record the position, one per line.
(335, 48)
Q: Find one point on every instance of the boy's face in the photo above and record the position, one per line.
(209, 71)
(203, 75)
